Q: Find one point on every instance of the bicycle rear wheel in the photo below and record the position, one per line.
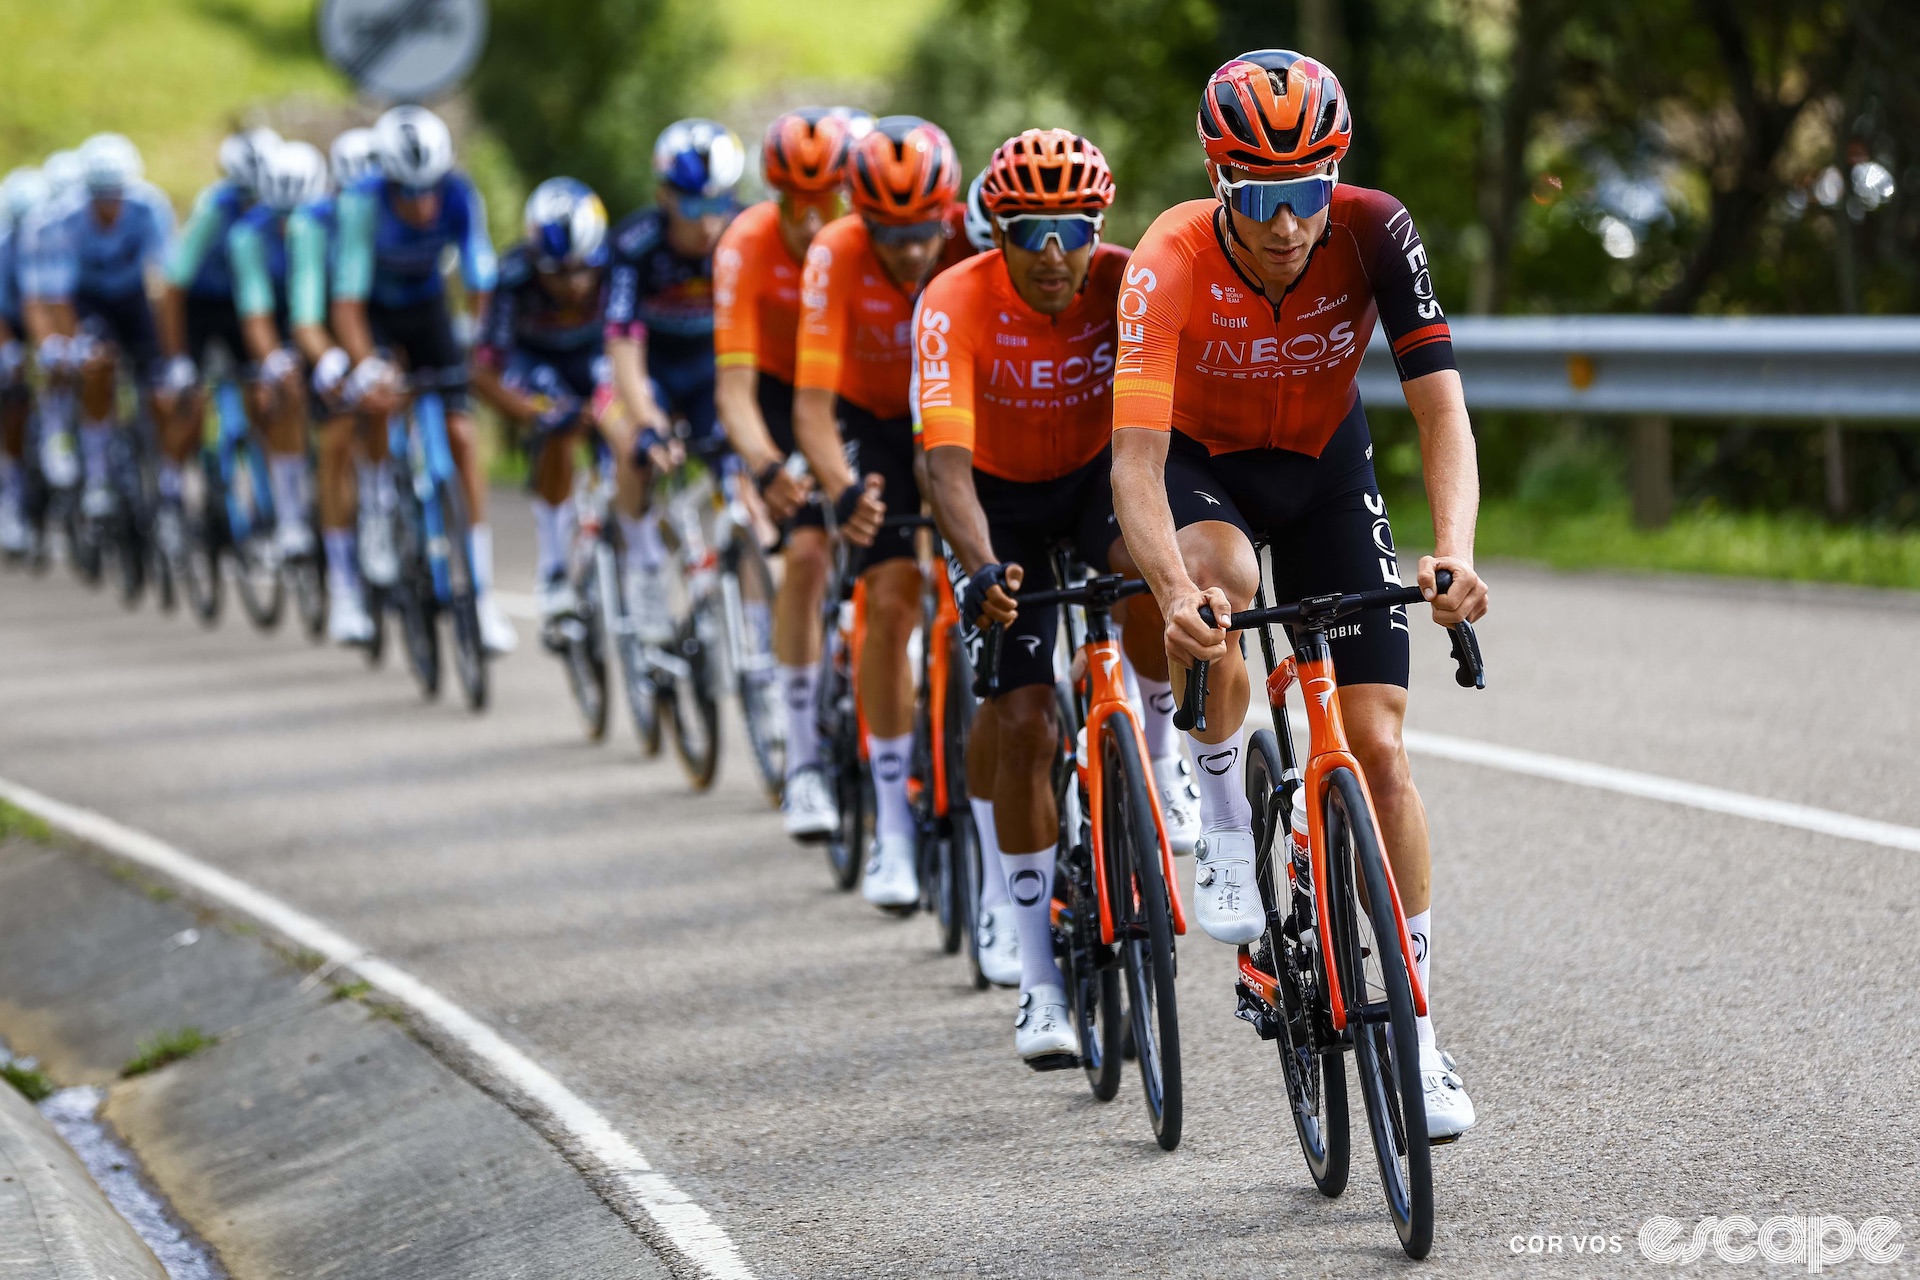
(1144, 921)
(583, 650)
(308, 575)
(1365, 936)
(846, 771)
(1316, 1083)
(197, 568)
(1093, 980)
(257, 578)
(469, 655)
(756, 676)
(695, 706)
(413, 595)
(636, 676)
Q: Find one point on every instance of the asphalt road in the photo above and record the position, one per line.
(1658, 1010)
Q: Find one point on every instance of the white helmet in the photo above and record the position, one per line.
(109, 164)
(292, 174)
(20, 192)
(414, 146)
(352, 157)
(63, 173)
(979, 225)
(699, 158)
(241, 154)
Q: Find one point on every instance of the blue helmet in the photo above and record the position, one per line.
(566, 225)
(701, 158)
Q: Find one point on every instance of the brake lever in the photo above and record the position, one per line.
(1471, 670)
(1191, 716)
(986, 681)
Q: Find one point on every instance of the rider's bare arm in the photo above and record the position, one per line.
(629, 356)
(1449, 461)
(956, 506)
(171, 319)
(736, 397)
(45, 317)
(1140, 504)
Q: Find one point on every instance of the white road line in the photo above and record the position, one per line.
(692, 1242)
(1650, 786)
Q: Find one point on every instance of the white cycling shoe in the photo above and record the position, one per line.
(891, 879)
(15, 538)
(97, 502)
(1449, 1109)
(555, 599)
(497, 635)
(807, 807)
(292, 540)
(1043, 1033)
(379, 562)
(347, 620)
(997, 943)
(1226, 898)
(1179, 802)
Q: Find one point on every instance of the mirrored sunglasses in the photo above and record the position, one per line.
(1030, 233)
(1261, 200)
(893, 233)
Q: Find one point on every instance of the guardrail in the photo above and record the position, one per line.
(1824, 370)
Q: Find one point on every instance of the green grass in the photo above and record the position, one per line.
(16, 822)
(32, 1084)
(359, 989)
(163, 1047)
(1782, 547)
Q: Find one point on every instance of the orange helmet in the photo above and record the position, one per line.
(806, 151)
(1274, 113)
(904, 171)
(1047, 171)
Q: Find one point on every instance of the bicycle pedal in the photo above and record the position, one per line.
(1255, 1012)
(1444, 1142)
(1054, 1062)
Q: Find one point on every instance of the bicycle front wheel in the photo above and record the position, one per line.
(756, 675)
(1373, 981)
(695, 705)
(1143, 919)
(463, 602)
(583, 649)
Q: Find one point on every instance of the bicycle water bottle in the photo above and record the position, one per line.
(1300, 864)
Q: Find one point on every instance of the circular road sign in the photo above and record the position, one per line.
(403, 50)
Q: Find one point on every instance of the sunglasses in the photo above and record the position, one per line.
(827, 204)
(1031, 233)
(1261, 200)
(895, 233)
(702, 206)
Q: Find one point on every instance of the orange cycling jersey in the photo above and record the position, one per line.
(1203, 350)
(756, 295)
(856, 324)
(1028, 393)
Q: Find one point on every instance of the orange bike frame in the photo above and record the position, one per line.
(946, 616)
(856, 644)
(1107, 699)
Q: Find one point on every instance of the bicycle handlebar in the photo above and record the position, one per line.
(1106, 591)
(1470, 671)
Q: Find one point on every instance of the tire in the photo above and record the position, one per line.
(1144, 919)
(130, 554)
(694, 708)
(376, 599)
(1365, 937)
(584, 653)
(756, 675)
(846, 771)
(257, 579)
(198, 571)
(1093, 981)
(1316, 1083)
(83, 538)
(413, 597)
(636, 678)
(463, 607)
(308, 577)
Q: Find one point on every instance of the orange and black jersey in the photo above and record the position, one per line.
(1202, 350)
(756, 295)
(1029, 394)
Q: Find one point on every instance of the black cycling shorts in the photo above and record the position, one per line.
(422, 336)
(1325, 523)
(776, 406)
(126, 322)
(213, 319)
(885, 446)
(1027, 521)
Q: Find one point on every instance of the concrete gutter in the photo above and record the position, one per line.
(54, 1222)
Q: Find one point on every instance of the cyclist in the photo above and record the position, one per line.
(20, 193)
(197, 311)
(756, 316)
(541, 363)
(979, 224)
(388, 294)
(1015, 353)
(1242, 324)
(88, 256)
(660, 339)
(862, 275)
(288, 176)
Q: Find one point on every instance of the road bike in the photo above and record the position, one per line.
(949, 847)
(1116, 907)
(1331, 973)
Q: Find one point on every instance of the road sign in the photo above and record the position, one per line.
(403, 50)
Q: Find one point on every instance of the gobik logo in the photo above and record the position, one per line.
(1815, 1241)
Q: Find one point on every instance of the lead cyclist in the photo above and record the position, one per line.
(1242, 325)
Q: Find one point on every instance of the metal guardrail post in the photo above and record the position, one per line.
(1834, 441)
(1652, 471)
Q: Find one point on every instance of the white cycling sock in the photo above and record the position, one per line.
(799, 686)
(96, 448)
(287, 476)
(480, 538)
(893, 813)
(1219, 773)
(1156, 722)
(1030, 885)
(1420, 929)
(993, 875)
(550, 553)
(646, 549)
(376, 485)
(9, 481)
(343, 567)
(167, 476)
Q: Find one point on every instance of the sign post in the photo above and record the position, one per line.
(403, 50)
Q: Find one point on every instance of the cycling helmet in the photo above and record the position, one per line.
(352, 157)
(292, 174)
(979, 221)
(63, 173)
(904, 171)
(241, 153)
(1047, 171)
(20, 192)
(414, 147)
(566, 225)
(109, 164)
(699, 158)
(859, 122)
(1273, 113)
(805, 152)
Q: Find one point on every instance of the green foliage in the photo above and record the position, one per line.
(30, 1081)
(1572, 473)
(164, 1047)
(17, 822)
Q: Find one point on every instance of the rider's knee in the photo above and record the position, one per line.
(893, 606)
(808, 559)
(1218, 555)
(1028, 722)
(1382, 753)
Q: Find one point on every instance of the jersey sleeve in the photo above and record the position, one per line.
(306, 269)
(353, 256)
(195, 239)
(158, 237)
(1403, 291)
(942, 393)
(1155, 291)
(479, 268)
(252, 281)
(495, 338)
(826, 296)
(736, 304)
(49, 258)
